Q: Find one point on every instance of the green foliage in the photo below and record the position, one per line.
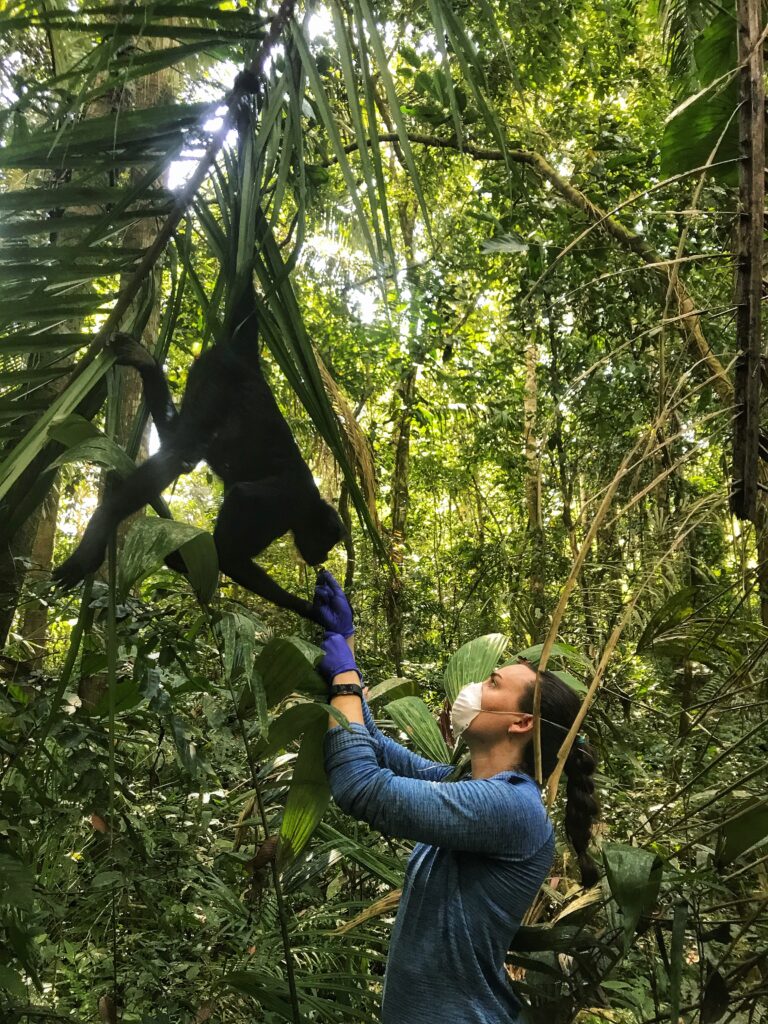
(634, 876)
(413, 717)
(473, 662)
(147, 543)
(308, 795)
(704, 128)
(391, 193)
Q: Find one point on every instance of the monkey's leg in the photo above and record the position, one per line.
(251, 517)
(157, 394)
(149, 480)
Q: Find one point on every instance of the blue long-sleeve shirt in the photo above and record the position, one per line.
(483, 848)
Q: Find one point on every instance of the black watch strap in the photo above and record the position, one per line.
(341, 689)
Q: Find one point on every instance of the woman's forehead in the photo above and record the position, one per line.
(516, 674)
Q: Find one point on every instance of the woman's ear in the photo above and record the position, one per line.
(524, 724)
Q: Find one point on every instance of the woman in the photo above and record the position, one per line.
(484, 845)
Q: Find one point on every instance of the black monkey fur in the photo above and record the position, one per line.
(229, 418)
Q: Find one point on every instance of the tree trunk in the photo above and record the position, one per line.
(14, 557)
(749, 263)
(151, 91)
(35, 620)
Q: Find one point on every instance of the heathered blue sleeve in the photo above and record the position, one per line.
(489, 816)
(393, 755)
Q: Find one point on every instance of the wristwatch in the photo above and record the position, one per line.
(341, 689)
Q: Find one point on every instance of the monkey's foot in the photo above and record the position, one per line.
(174, 561)
(79, 565)
(128, 352)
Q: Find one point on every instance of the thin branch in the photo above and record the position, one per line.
(691, 325)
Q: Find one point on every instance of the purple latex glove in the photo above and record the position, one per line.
(337, 657)
(331, 607)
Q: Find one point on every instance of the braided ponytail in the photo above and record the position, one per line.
(581, 808)
(559, 708)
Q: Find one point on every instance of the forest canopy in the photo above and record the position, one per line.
(508, 268)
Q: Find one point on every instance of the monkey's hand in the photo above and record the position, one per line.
(129, 352)
(333, 610)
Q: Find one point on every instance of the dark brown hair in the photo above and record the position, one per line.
(560, 705)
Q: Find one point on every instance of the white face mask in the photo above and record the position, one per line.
(466, 707)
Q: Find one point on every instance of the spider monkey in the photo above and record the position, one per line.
(230, 419)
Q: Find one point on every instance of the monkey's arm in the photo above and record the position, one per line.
(242, 570)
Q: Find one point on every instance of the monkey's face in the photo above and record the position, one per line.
(318, 533)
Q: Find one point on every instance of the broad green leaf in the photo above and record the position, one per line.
(101, 450)
(413, 716)
(692, 133)
(311, 651)
(569, 680)
(473, 662)
(742, 832)
(634, 877)
(271, 992)
(285, 670)
(107, 878)
(565, 652)
(128, 695)
(715, 49)
(73, 430)
(238, 633)
(392, 688)
(288, 726)
(308, 796)
(11, 981)
(149, 540)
